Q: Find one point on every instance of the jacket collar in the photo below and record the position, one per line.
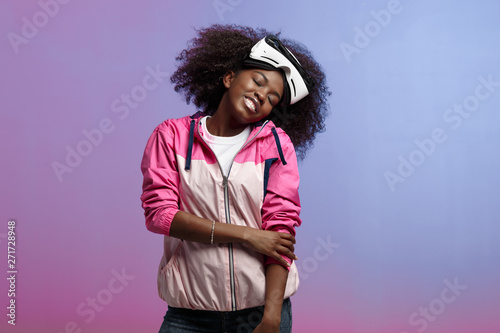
(257, 131)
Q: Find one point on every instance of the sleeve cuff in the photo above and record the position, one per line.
(166, 220)
(270, 260)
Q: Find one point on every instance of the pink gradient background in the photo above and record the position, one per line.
(395, 248)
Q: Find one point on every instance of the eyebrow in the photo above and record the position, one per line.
(266, 79)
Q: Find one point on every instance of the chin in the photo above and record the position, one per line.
(246, 117)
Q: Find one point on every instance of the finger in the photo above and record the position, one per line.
(287, 252)
(281, 260)
(287, 236)
(288, 244)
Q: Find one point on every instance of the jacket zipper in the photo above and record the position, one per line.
(226, 208)
(230, 245)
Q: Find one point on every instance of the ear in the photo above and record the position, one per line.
(228, 78)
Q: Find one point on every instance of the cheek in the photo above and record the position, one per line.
(266, 111)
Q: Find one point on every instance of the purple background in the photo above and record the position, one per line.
(394, 249)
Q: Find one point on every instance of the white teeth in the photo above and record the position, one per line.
(250, 103)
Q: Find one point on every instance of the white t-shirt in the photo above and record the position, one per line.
(224, 147)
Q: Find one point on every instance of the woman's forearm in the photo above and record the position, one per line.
(190, 227)
(276, 277)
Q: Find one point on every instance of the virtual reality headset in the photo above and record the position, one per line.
(269, 53)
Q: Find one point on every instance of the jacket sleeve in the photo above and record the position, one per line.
(281, 207)
(161, 180)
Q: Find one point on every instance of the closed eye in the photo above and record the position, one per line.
(271, 97)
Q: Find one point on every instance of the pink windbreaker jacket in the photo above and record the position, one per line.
(261, 191)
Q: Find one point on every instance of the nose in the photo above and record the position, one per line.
(259, 95)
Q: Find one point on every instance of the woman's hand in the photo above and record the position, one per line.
(267, 327)
(272, 244)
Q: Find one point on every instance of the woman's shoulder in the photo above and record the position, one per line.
(176, 125)
(281, 134)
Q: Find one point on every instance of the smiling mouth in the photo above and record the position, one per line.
(252, 104)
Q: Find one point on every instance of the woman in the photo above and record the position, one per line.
(222, 185)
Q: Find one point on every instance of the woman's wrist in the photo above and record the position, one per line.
(230, 233)
(246, 235)
(272, 316)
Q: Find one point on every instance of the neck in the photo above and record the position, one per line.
(222, 124)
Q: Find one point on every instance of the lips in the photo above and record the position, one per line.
(252, 104)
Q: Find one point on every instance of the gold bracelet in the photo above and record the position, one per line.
(212, 234)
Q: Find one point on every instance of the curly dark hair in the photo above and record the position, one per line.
(219, 49)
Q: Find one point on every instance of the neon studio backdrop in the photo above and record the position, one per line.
(400, 195)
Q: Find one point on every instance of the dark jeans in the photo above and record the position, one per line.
(178, 320)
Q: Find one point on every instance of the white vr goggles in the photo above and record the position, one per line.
(270, 53)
